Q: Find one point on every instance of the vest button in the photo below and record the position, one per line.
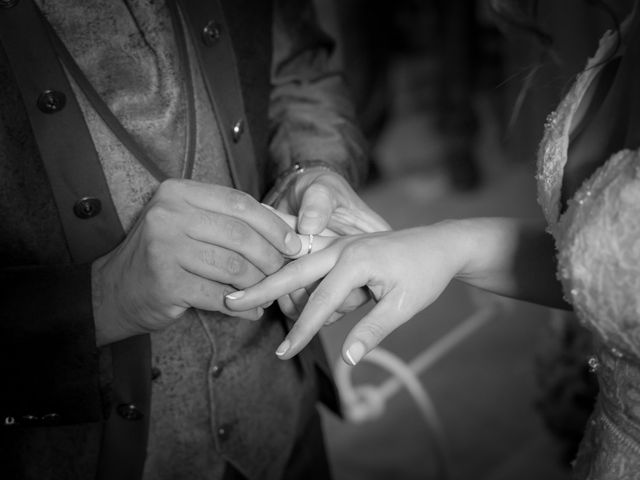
(216, 371)
(155, 373)
(129, 411)
(237, 130)
(7, 3)
(211, 33)
(50, 419)
(29, 420)
(51, 101)
(87, 207)
(223, 432)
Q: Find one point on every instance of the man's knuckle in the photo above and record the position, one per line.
(238, 201)
(205, 219)
(209, 257)
(156, 219)
(238, 232)
(236, 265)
(155, 252)
(170, 188)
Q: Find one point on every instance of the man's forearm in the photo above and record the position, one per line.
(312, 117)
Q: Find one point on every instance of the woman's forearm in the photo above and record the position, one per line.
(510, 257)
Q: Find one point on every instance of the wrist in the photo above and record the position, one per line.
(460, 245)
(107, 318)
(289, 177)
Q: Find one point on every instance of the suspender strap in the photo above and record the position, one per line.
(217, 61)
(114, 124)
(76, 175)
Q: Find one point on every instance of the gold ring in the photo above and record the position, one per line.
(310, 244)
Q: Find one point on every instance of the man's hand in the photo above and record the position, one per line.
(192, 244)
(322, 199)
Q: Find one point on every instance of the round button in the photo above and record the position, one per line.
(87, 207)
(7, 3)
(223, 432)
(50, 419)
(129, 411)
(29, 420)
(237, 130)
(155, 373)
(211, 33)
(216, 370)
(51, 101)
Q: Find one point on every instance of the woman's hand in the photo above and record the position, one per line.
(405, 271)
(293, 303)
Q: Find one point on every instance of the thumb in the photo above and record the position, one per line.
(315, 210)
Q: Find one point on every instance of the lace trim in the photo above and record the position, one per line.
(553, 150)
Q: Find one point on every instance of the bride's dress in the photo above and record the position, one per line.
(598, 242)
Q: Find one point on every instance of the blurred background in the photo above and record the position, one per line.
(453, 101)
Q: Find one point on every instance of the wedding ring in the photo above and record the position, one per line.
(310, 247)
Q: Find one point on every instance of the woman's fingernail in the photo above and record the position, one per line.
(355, 353)
(283, 348)
(235, 295)
(267, 305)
(267, 206)
(293, 243)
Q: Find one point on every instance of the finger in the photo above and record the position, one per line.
(297, 274)
(218, 230)
(313, 243)
(299, 299)
(356, 298)
(289, 219)
(288, 308)
(315, 210)
(292, 221)
(335, 316)
(323, 302)
(208, 295)
(349, 221)
(234, 203)
(383, 319)
(220, 265)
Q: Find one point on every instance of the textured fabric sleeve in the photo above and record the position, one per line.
(49, 362)
(311, 115)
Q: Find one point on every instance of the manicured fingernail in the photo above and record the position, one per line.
(293, 243)
(267, 206)
(355, 353)
(260, 313)
(235, 295)
(283, 348)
